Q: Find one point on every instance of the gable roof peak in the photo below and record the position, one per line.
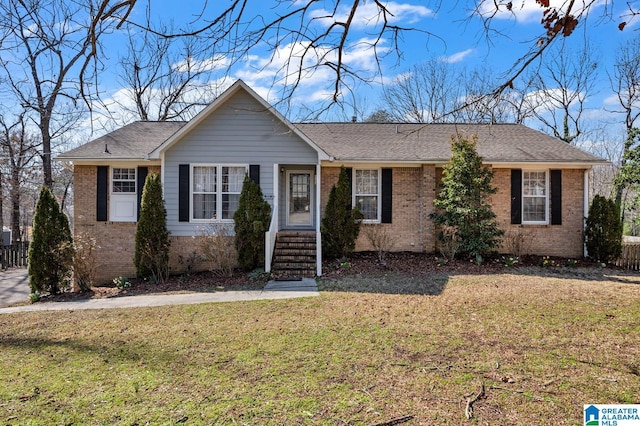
(217, 103)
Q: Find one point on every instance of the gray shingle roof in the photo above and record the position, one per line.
(133, 141)
(497, 143)
(383, 142)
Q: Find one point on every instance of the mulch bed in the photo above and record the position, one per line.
(422, 263)
(196, 282)
(357, 264)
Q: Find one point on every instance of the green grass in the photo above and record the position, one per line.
(366, 351)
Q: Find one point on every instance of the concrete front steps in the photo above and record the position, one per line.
(294, 256)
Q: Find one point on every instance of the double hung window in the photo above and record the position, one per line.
(216, 191)
(535, 199)
(367, 193)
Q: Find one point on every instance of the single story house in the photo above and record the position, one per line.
(395, 170)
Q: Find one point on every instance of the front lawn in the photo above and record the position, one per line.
(372, 348)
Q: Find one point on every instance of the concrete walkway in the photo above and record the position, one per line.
(273, 290)
(14, 286)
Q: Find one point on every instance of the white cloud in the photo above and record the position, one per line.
(457, 57)
(548, 100)
(362, 54)
(297, 64)
(611, 100)
(210, 64)
(527, 11)
(368, 14)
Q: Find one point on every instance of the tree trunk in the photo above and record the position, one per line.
(1, 217)
(15, 207)
(46, 155)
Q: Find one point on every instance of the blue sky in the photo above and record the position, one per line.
(454, 35)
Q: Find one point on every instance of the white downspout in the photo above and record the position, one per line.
(585, 208)
(318, 234)
(270, 235)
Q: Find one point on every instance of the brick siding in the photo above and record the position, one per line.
(410, 227)
(414, 190)
(116, 240)
(414, 231)
(564, 240)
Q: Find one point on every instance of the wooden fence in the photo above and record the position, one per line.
(630, 258)
(14, 255)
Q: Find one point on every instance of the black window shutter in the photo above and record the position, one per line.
(140, 179)
(254, 173)
(556, 197)
(349, 171)
(516, 196)
(387, 195)
(101, 193)
(183, 193)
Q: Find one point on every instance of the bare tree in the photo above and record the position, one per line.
(324, 31)
(437, 92)
(481, 105)
(44, 44)
(164, 81)
(428, 93)
(19, 150)
(560, 87)
(626, 81)
(626, 84)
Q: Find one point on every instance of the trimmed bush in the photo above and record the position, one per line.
(217, 247)
(341, 223)
(463, 202)
(603, 233)
(51, 251)
(84, 263)
(151, 257)
(251, 222)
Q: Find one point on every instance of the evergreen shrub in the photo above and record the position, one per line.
(341, 223)
(603, 233)
(463, 202)
(51, 250)
(151, 256)
(251, 220)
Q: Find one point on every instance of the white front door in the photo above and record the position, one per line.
(299, 198)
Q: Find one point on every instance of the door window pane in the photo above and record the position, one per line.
(300, 198)
(124, 180)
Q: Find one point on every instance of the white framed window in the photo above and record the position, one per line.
(123, 180)
(232, 178)
(535, 197)
(366, 193)
(215, 191)
(204, 192)
(123, 203)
